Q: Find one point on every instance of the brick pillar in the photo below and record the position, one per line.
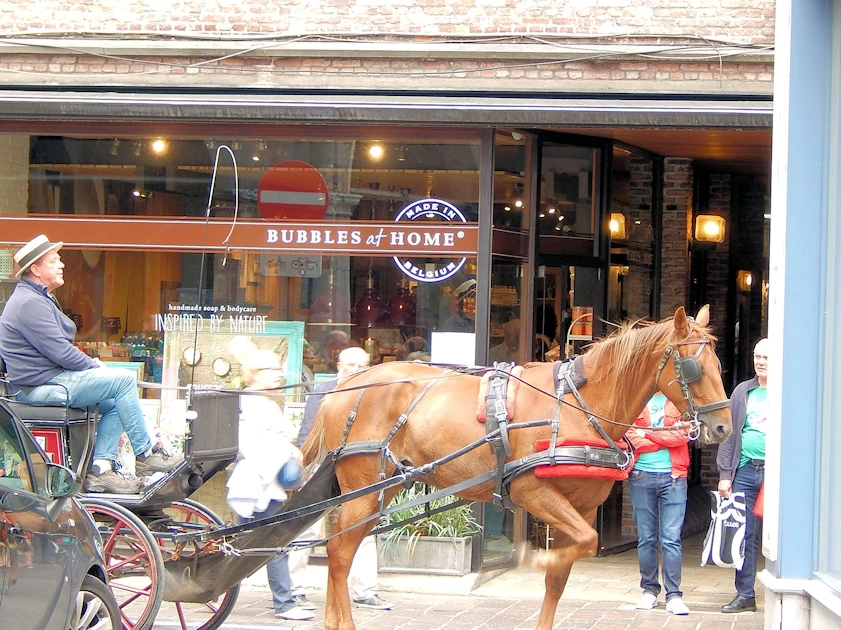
(677, 228)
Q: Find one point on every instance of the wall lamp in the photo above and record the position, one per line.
(744, 280)
(617, 226)
(709, 228)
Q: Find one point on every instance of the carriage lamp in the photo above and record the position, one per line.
(709, 228)
(744, 280)
(617, 226)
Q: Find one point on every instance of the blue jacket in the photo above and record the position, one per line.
(36, 338)
(730, 453)
(311, 408)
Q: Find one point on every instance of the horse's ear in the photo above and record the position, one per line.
(681, 322)
(703, 318)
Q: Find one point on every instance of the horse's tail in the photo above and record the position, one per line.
(314, 448)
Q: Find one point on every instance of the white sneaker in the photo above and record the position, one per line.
(647, 601)
(295, 614)
(676, 606)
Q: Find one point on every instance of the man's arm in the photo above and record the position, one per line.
(41, 330)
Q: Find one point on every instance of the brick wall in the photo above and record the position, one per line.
(588, 45)
(718, 261)
(677, 227)
(638, 282)
(741, 20)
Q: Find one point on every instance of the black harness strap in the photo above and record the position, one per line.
(496, 420)
(385, 451)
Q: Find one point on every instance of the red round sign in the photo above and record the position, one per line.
(292, 190)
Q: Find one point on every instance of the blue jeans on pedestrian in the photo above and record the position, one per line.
(659, 502)
(748, 479)
(277, 568)
(114, 389)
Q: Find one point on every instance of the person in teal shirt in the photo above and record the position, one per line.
(658, 495)
(741, 466)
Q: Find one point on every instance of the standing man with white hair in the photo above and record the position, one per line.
(363, 571)
(741, 466)
(44, 367)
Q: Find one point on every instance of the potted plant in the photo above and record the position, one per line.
(438, 544)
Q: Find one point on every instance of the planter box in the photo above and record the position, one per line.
(434, 556)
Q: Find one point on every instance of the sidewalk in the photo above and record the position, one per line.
(601, 593)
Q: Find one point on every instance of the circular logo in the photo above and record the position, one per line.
(432, 269)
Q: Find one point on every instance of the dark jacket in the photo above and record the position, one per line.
(36, 338)
(313, 400)
(730, 453)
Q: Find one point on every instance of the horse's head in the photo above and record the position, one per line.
(690, 375)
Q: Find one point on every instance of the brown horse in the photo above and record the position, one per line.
(623, 372)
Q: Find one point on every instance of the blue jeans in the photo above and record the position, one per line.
(277, 568)
(659, 502)
(748, 479)
(115, 390)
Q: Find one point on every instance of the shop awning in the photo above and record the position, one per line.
(482, 109)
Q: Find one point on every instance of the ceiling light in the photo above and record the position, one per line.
(210, 143)
(518, 203)
(262, 145)
(551, 211)
(256, 158)
(115, 147)
(541, 215)
(507, 208)
(159, 146)
(376, 151)
(402, 152)
(138, 147)
(236, 145)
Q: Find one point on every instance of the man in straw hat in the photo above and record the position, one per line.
(36, 343)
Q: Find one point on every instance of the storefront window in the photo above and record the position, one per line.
(567, 197)
(355, 238)
(632, 237)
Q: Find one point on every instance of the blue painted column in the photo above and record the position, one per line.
(800, 150)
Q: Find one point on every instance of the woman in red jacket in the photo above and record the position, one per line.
(658, 494)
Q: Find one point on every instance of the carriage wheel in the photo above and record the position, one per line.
(133, 561)
(189, 515)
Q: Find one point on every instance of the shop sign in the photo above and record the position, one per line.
(425, 210)
(445, 235)
(290, 265)
(227, 318)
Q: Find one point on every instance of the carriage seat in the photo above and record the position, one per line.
(56, 410)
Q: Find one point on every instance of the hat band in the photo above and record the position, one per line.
(35, 254)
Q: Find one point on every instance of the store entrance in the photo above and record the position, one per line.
(569, 305)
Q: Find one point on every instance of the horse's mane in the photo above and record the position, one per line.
(625, 350)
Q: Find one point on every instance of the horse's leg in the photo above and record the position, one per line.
(340, 553)
(573, 531)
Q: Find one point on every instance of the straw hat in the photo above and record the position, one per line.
(33, 250)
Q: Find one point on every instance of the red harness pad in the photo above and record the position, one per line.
(510, 393)
(580, 470)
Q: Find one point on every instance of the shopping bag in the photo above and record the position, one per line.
(724, 544)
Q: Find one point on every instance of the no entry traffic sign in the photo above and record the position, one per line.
(292, 190)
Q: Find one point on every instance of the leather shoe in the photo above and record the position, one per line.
(739, 604)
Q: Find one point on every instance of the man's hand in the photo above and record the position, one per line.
(724, 487)
(99, 363)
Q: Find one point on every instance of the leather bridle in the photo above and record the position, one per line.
(688, 370)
